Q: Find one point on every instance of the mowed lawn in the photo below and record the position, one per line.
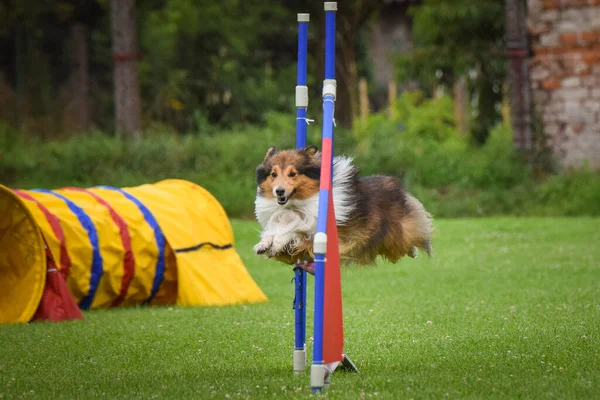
(507, 308)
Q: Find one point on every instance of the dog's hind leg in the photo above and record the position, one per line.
(417, 227)
(428, 247)
(413, 252)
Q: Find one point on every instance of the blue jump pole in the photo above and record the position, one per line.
(301, 88)
(301, 128)
(318, 369)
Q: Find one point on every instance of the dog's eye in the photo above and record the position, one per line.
(274, 174)
(292, 174)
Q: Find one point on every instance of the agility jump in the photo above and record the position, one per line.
(314, 209)
(328, 322)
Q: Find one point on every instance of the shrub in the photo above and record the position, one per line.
(420, 145)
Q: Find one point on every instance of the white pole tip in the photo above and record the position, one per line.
(303, 17)
(331, 6)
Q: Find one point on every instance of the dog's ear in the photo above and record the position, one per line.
(261, 174)
(272, 150)
(310, 151)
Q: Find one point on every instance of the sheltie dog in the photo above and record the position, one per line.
(374, 214)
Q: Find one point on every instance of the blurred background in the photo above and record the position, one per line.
(483, 107)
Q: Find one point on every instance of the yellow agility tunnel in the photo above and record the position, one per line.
(165, 243)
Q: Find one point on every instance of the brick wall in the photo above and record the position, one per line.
(565, 77)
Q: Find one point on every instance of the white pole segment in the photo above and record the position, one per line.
(331, 6)
(303, 17)
(300, 360)
(302, 96)
(317, 376)
(320, 243)
(329, 87)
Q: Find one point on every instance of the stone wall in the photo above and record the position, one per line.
(565, 77)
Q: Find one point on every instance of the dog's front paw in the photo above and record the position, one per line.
(281, 244)
(264, 245)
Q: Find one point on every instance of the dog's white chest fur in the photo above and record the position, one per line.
(284, 226)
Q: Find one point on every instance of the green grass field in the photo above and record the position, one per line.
(507, 308)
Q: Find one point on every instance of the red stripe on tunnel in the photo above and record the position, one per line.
(65, 260)
(128, 258)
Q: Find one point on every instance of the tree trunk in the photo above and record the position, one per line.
(76, 117)
(350, 19)
(347, 82)
(520, 103)
(392, 96)
(461, 104)
(126, 90)
(363, 95)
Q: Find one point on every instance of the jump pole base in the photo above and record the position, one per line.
(319, 373)
(299, 361)
(345, 365)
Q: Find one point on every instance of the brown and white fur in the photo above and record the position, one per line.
(374, 214)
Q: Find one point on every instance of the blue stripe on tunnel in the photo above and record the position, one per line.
(158, 236)
(97, 262)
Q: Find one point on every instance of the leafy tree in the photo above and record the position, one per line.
(201, 62)
(37, 39)
(215, 59)
(455, 38)
(352, 20)
(236, 59)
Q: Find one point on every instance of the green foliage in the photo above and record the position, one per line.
(571, 193)
(506, 309)
(458, 35)
(223, 163)
(457, 38)
(235, 73)
(456, 179)
(229, 59)
(420, 145)
(423, 145)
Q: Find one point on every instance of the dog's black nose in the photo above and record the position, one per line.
(280, 191)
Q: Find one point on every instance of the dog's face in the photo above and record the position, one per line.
(289, 174)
